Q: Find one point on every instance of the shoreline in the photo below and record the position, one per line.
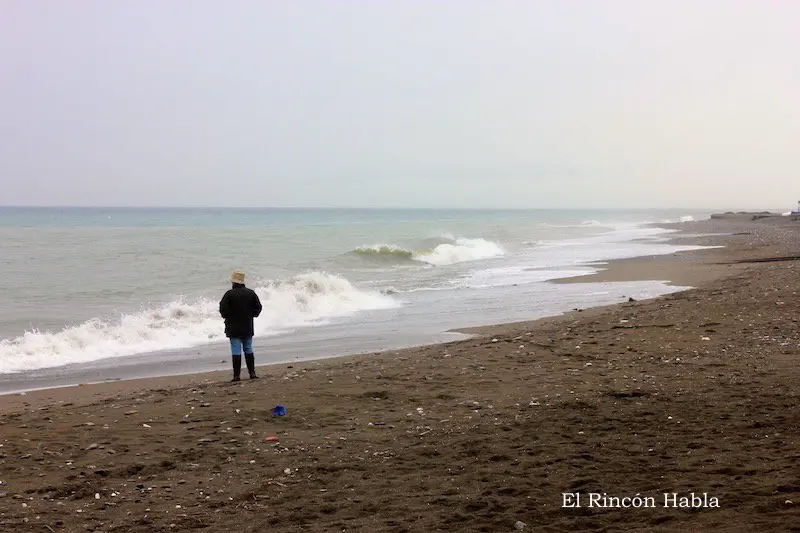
(665, 267)
(691, 392)
(690, 269)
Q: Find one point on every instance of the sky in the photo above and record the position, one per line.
(400, 103)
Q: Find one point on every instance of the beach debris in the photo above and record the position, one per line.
(705, 338)
(279, 410)
(519, 525)
(147, 426)
(92, 446)
(272, 438)
(495, 340)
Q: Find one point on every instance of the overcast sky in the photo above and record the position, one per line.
(459, 103)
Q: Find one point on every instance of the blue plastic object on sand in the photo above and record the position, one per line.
(278, 410)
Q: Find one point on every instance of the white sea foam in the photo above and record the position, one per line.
(579, 225)
(460, 251)
(455, 250)
(516, 275)
(304, 300)
(573, 257)
(684, 218)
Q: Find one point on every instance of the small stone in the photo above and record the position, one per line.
(92, 446)
(519, 525)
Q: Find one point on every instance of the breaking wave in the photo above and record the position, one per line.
(385, 251)
(303, 300)
(448, 252)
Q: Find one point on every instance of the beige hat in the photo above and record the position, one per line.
(237, 276)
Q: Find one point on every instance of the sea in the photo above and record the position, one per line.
(96, 294)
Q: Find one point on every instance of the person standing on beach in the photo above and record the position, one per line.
(239, 306)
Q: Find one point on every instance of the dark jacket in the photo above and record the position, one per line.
(238, 307)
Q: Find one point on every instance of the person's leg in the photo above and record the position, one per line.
(249, 357)
(236, 357)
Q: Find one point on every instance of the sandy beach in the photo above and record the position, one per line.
(692, 395)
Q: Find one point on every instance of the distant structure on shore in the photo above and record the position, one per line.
(793, 214)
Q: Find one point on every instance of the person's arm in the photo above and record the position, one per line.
(256, 305)
(224, 306)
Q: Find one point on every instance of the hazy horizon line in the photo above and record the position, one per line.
(357, 208)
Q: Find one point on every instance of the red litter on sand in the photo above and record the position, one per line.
(272, 439)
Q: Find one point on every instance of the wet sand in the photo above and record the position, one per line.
(694, 392)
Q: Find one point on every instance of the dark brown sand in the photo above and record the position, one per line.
(692, 392)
